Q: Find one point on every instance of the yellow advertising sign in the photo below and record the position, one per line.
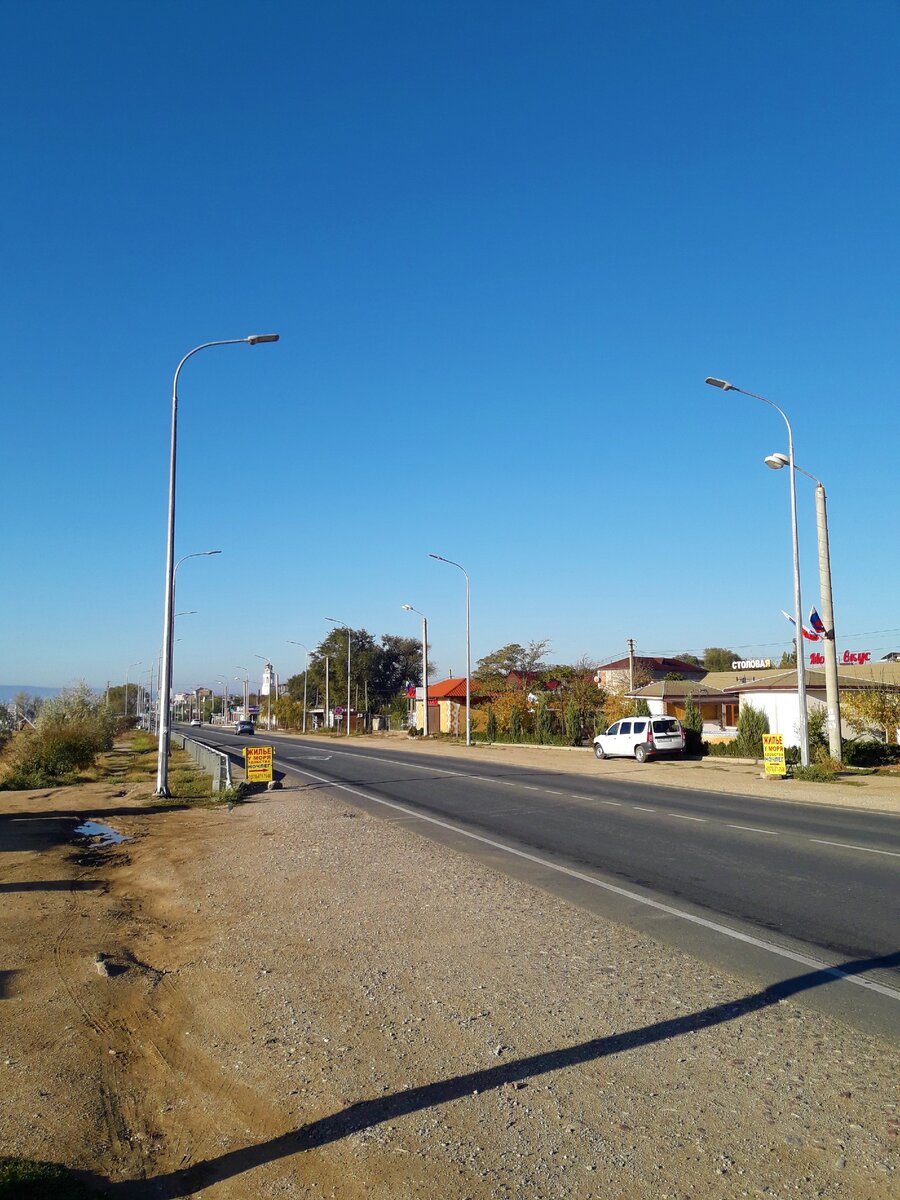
(258, 762)
(773, 752)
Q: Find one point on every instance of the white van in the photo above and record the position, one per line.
(641, 737)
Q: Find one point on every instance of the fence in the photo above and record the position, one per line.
(214, 762)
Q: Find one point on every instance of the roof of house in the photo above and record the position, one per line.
(679, 689)
(654, 664)
(448, 689)
(786, 681)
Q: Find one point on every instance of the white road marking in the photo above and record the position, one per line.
(753, 829)
(576, 796)
(640, 808)
(671, 910)
(847, 846)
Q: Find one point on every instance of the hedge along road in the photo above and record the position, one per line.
(751, 884)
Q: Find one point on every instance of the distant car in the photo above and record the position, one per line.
(195, 721)
(243, 727)
(641, 738)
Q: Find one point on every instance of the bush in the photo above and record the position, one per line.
(25, 1179)
(70, 731)
(491, 726)
(817, 772)
(870, 754)
(752, 724)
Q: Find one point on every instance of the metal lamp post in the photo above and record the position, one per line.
(224, 684)
(832, 691)
(246, 683)
(440, 558)
(409, 608)
(343, 624)
(139, 663)
(162, 782)
(305, 676)
(798, 611)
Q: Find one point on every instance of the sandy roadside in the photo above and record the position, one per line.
(303, 1000)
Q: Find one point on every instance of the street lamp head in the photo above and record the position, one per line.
(407, 607)
(777, 461)
(255, 338)
(720, 383)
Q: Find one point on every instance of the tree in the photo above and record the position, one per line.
(752, 724)
(494, 669)
(543, 720)
(693, 726)
(378, 673)
(491, 728)
(689, 658)
(717, 658)
(874, 708)
(788, 659)
(673, 677)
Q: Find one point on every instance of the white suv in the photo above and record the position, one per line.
(642, 737)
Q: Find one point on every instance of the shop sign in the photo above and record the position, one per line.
(773, 752)
(258, 762)
(751, 664)
(848, 658)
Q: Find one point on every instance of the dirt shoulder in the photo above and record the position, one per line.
(299, 999)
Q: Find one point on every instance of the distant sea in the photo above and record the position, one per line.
(9, 691)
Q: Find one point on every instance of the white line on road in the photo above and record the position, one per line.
(782, 952)
(640, 808)
(847, 846)
(753, 829)
(685, 817)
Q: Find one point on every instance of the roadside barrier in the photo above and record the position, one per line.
(213, 762)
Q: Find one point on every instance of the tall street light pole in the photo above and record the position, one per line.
(798, 613)
(139, 663)
(224, 684)
(305, 676)
(246, 684)
(343, 624)
(440, 558)
(832, 691)
(162, 781)
(409, 608)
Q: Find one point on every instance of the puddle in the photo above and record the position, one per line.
(106, 835)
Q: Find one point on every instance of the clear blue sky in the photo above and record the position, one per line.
(503, 244)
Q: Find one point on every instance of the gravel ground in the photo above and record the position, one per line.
(306, 1000)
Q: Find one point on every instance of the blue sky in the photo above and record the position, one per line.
(503, 245)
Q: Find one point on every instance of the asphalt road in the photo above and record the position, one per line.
(817, 879)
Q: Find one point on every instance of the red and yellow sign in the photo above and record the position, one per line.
(258, 762)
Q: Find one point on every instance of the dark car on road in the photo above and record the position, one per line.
(243, 727)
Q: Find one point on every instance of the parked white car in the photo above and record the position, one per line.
(641, 738)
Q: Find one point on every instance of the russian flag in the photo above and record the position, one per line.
(810, 637)
(817, 623)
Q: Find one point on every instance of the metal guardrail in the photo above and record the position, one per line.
(213, 762)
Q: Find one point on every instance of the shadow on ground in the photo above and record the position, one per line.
(368, 1113)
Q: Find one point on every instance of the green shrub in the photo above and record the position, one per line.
(871, 754)
(70, 731)
(817, 772)
(491, 726)
(25, 1179)
(752, 724)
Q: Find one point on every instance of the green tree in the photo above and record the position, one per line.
(693, 726)
(752, 724)
(873, 709)
(717, 658)
(788, 659)
(689, 658)
(491, 727)
(494, 669)
(543, 720)
(515, 725)
(574, 723)
(673, 677)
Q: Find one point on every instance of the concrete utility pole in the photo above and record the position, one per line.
(631, 664)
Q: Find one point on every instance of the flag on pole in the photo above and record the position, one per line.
(811, 637)
(817, 623)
